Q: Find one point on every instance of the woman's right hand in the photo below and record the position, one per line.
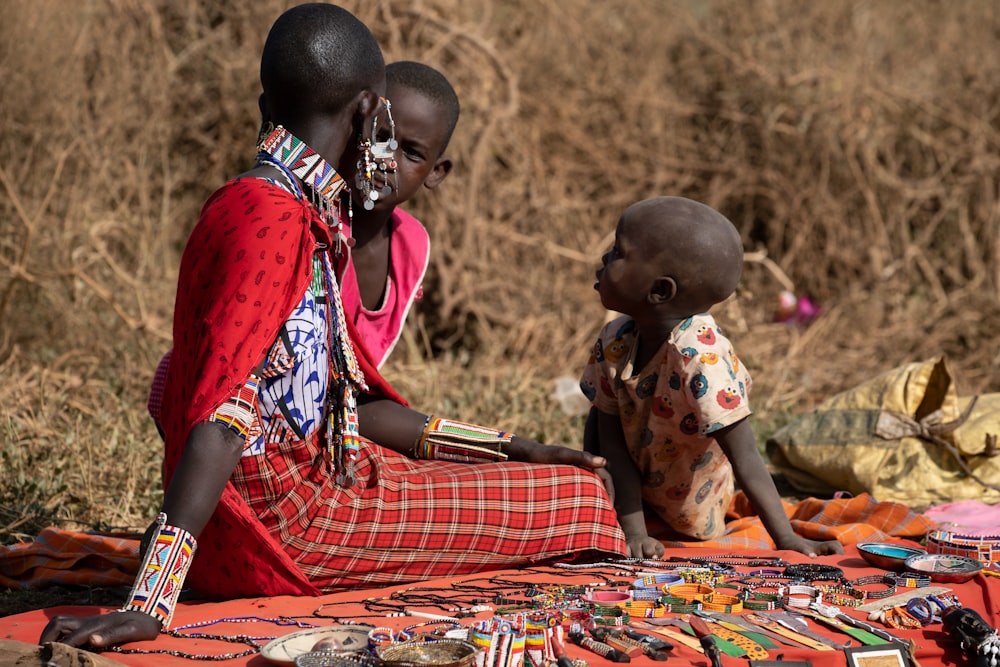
(101, 631)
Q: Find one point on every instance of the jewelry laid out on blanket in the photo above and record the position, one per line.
(532, 612)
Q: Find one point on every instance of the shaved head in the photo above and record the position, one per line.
(694, 244)
(316, 59)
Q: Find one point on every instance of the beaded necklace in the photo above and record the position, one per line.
(296, 160)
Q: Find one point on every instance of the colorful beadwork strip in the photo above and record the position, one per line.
(449, 440)
(239, 413)
(985, 549)
(163, 571)
(304, 162)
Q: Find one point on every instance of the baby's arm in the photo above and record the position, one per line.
(740, 446)
(628, 487)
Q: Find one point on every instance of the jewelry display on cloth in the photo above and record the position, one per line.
(377, 157)
(532, 612)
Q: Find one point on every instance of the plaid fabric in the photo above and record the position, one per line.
(59, 556)
(409, 520)
(848, 520)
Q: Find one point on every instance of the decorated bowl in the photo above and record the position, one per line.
(944, 568)
(888, 556)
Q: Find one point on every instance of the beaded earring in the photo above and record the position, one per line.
(376, 156)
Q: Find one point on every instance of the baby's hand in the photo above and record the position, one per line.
(811, 548)
(644, 547)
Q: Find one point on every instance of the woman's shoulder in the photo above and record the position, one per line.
(247, 189)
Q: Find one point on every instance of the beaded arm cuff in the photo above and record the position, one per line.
(163, 571)
(448, 440)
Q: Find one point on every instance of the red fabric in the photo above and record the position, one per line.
(245, 267)
(934, 648)
(155, 401)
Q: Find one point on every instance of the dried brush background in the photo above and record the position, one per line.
(856, 145)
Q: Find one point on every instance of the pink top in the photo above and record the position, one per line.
(409, 253)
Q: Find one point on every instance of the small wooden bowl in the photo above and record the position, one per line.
(944, 568)
(888, 556)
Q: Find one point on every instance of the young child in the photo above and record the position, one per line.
(669, 392)
(385, 272)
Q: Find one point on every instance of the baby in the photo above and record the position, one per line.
(669, 392)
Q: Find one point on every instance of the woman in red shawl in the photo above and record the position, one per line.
(272, 415)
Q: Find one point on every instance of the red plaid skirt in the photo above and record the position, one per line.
(407, 520)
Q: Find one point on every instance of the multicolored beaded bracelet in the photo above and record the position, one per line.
(843, 595)
(656, 581)
(912, 580)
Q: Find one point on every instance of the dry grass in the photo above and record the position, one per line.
(855, 145)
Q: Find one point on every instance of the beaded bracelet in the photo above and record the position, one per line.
(450, 440)
(164, 568)
(843, 595)
(756, 601)
(813, 572)
(658, 580)
(913, 580)
(811, 593)
(767, 574)
(720, 602)
(690, 592)
(899, 618)
(886, 580)
(676, 605)
(922, 610)
(700, 575)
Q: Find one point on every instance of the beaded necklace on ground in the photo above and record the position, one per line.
(300, 163)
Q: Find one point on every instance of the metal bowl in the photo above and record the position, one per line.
(886, 555)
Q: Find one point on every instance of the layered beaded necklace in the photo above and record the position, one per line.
(296, 160)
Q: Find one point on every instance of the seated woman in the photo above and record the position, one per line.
(274, 481)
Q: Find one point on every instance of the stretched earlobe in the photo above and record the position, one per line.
(664, 289)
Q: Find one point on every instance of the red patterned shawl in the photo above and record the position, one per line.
(246, 265)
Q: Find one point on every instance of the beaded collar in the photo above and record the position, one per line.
(305, 163)
(291, 155)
